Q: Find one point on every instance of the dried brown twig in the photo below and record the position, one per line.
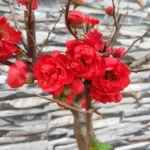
(14, 18)
(140, 61)
(49, 33)
(63, 104)
(117, 26)
(140, 70)
(114, 16)
(66, 19)
(135, 41)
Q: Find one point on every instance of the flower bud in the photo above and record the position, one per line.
(17, 74)
(119, 52)
(110, 11)
(76, 19)
(91, 20)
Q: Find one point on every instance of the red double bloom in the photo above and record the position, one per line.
(8, 40)
(111, 79)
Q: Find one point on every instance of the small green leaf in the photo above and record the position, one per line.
(96, 145)
(20, 55)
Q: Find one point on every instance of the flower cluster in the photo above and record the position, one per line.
(89, 61)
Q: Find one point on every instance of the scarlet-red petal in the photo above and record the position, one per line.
(17, 74)
(26, 3)
(77, 86)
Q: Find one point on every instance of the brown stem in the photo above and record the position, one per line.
(140, 70)
(49, 33)
(135, 41)
(63, 104)
(80, 130)
(90, 131)
(80, 127)
(67, 20)
(30, 26)
(83, 128)
(140, 61)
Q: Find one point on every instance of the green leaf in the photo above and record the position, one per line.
(96, 145)
(20, 55)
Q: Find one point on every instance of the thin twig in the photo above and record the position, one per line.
(117, 29)
(118, 7)
(14, 18)
(49, 33)
(97, 112)
(114, 15)
(63, 104)
(140, 70)
(114, 38)
(140, 61)
(67, 20)
(135, 42)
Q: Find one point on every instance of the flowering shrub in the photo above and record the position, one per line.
(87, 58)
(90, 69)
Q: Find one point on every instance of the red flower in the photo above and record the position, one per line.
(104, 97)
(26, 3)
(52, 73)
(110, 11)
(112, 78)
(94, 38)
(76, 18)
(8, 40)
(91, 20)
(109, 51)
(82, 58)
(17, 74)
(77, 86)
(119, 52)
(69, 91)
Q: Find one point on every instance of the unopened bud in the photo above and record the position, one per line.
(110, 10)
